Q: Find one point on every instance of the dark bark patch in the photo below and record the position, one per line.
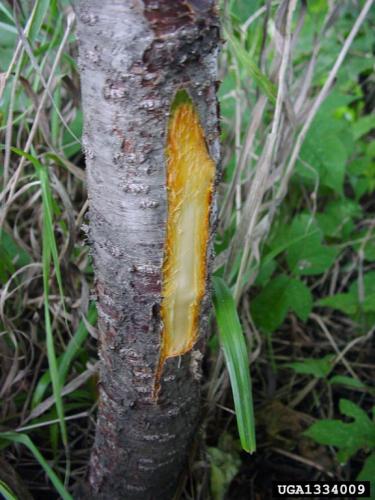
(168, 16)
(127, 146)
(88, 18)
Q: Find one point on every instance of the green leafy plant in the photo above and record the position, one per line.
(319, 368)
(225, 463)
(349, 437)
(285, 294)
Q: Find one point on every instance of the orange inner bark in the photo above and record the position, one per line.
(190, 176)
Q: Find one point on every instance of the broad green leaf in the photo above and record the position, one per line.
(347, 437)
(333, 433)
(337, 219)
(270, 307)
(281, 294)
(345, 302)
(325, 151)
(368, 473)
(348, 381)
(311, 260)
(309, 256)
(359, 165)
(363, 125)
(350, 409)
(281, 242)
(266, 270)
(235, 352)
(349, 302)
(24, 439)
(324, 159)
(335, 100)
(300, 299)
(320, 368)
(285, 238)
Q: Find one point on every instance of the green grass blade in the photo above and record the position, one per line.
(6, 12)
(6, 492)
(76, 341)
(26, 441)
(47, 214)
(246, 62)
(48, 217)
(8, 27)
(235, 352)
(49, 250)
(65, 360)
(55, 119)
(39, 12)
(51, 355)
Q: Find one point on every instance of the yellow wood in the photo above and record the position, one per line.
(190, 176)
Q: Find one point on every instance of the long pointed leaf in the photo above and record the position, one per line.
(235, 352)
(6, 492)
(245, 60)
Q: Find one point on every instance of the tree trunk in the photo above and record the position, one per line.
(148, 71)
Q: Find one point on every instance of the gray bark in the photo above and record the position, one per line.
(134, 56)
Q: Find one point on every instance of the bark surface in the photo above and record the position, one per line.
(134, 56)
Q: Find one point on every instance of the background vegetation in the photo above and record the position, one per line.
(295, 253)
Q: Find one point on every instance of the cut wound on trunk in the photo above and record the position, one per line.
(190, 176)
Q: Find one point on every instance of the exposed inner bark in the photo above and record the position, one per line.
(190, 176)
